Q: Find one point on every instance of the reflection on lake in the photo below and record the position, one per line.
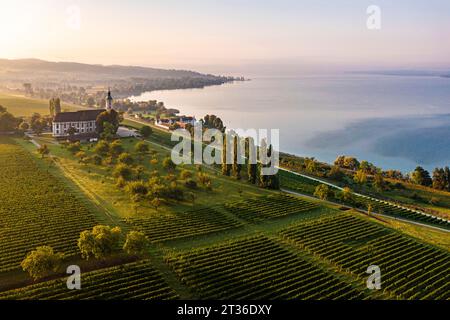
(392, 121)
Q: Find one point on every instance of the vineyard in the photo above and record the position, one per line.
(256, 268)
(297, 183)
(35, 209)
(307, 186)
(183, 225)
(138, 280)
(410, 269)
(395, 211)
(263, 208)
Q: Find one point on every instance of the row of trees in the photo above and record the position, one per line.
(8, 122)
(100, 242)
(440, 179)
(254, 170)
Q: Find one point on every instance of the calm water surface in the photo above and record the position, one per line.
(392, 121)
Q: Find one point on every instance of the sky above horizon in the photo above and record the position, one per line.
(230, 36)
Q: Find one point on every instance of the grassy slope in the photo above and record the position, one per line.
(98, 180)
(24, 106)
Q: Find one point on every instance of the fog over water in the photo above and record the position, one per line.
(393, 121)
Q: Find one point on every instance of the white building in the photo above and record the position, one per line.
(83, 121)
(182, 121)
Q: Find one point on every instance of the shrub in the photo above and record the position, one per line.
(42, 262)
(102, 148)
(124, 171)
(135, 243)
(99, 242)
(168, 164)
(137, 187)
(191, 184)
(126, 158)
(146, 131)
(185, 174)
(322, 191)
(141, 147)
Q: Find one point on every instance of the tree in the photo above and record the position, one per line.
(139, 171)
(43, 150)
(236, 167)
(156, 203)
(421, 177)
(141, 147)
(336, 173)
(226, 168)
(346, 194)
(123, 171)
(168, 164)
(137, 187)
(378, 182)
(311, 165)
(28, 88)
(126, 158)
(96, 159)
(24, 126)
(37, 123)
(102, 148)
(108, 133)
(90, 101)
(347, 162)
(99, 242)
(110, 116)
(252, 169)
(213, 122)
(74, 147)
(42, 262)
(7, 121)
(447, 178)
(268, 181)
(322, 191)
(146, 131)
(439, 179)
(116, 148)
(360, 177)
(136, 242)
(82, 156)
(185, 174)
(191, 184)
(54, 106)
(351, 163)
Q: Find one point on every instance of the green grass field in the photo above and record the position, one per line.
(22, 106)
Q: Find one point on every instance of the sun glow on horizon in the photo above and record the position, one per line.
(174, 33)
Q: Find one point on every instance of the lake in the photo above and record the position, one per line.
(392, 121)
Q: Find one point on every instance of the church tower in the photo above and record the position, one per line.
(109, 101)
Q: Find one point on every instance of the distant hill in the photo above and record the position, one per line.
(34, 68)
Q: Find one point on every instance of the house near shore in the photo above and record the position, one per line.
(181, 121)
(84, 121)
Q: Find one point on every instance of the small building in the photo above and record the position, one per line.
(182, 121)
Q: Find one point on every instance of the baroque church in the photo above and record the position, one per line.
(83, 121)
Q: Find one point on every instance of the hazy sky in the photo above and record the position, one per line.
(229, 35)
